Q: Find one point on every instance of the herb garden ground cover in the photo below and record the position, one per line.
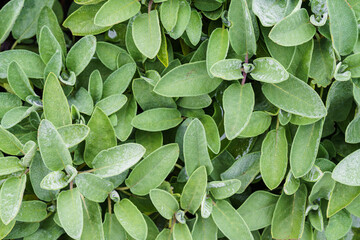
(179, 119)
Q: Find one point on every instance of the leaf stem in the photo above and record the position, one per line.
(122, 188)
(14, 45)
(178, 166)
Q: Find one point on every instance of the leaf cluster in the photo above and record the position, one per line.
(179, 119)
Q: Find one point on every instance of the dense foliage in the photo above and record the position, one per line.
(180, 119)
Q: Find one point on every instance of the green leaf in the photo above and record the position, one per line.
(204, 228)
(116, 11)
(271, 12)
(93, 227)
(340, 197)
(56, 107)
(48, 45)
(26, 23)
(80, 54)
(112, 104)
(353, 64)
(81, 21)
(289, 215)
(274, 158)
(108, 53)
(229, 221)
(341, 14)
(257, 211)
(157, 119)
(153, 170)
(212, 133)
(165, 234)
(10, 165)
(322, 188)
(338, 225)
(8, 14)
(292, 184)
(194, 190)
(32, 211)
(238, 103)
(244, 169)
(164, 202)
(125, 115)
(195, 148)
(295, 96)
(131, 219)
(183, 19)
(269, 70)
(187, 80)
(48, 18)
(224, 189)
(73, 134)
(93, 187)
(52, 148)
(9, 143)
(82, 101)
(194, 27)
(351, 135)
(54, 181)
(8, 101)
(19, 82)
(241, 32)
(338, 100)
(146, 33)
(181, 232)
(259, 122)
(15, 116)
(217, 47)
(119, 80)
(346, 172)
(54, 65)
(196, 102)
(30, 62)
(22, 229)
(6, 229)
(169, 13)
(95, 85)
(353, 207)
(305, 147)
(293, 30)
(11, 196)
(116, 160)
(70, 212)
(112, 228)
(323, 62)
(316, 220)
(153, 230)
(227, 69)
(101, 136)
(37, 172)
(147, 98)
(149, 140)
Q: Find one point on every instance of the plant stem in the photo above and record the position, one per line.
(244, 73)
(149, 6)
(109, 204)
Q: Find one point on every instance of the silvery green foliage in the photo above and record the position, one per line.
(179, 119)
